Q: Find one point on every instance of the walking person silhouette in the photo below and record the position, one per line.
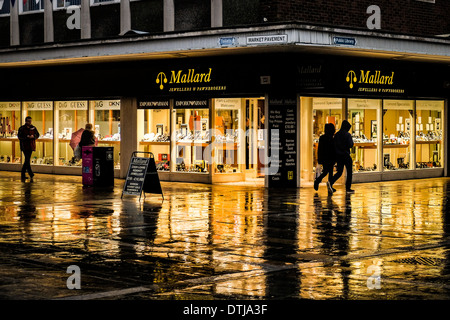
(342, 143)
(326, 156)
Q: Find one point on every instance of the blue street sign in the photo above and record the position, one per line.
(344, 41)
(227, 41)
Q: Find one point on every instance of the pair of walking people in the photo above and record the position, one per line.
(335, 149)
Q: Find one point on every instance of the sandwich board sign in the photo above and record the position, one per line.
(142, 176)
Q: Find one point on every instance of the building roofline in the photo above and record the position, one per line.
(185, 43)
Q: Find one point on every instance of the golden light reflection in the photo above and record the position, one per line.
(332, 243)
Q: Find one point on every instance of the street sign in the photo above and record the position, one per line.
(142, 176)
(344, 41)
(228, 41)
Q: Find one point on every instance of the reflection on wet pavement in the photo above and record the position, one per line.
(389, 240)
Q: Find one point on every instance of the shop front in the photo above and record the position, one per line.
(57, 122)
(398, 119)
(236, 119)
(208, 140)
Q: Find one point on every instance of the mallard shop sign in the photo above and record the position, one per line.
(188, 80)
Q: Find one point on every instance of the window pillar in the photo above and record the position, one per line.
(14, 23)
(216, 14)
(48, 21)
(85, 19)
(169, 15)
(125, 16)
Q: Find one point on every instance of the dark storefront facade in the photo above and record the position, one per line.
(235, 118)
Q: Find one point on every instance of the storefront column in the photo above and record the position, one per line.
(14, 23)
(48, 21)
(169, 15)
(216, 13)
(128, 132)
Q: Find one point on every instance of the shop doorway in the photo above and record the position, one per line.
(238, 149)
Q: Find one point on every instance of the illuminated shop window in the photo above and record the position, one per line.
(106, 121)
(9, 124)
(363, 115)
(397, 133)
(154, 133)
(325, 110)
(228, 133)
(429, 134)
(41, 113)
(72, 116)
(192, 137)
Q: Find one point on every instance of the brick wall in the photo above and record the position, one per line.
(400, 16)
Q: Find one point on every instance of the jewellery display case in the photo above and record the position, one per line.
(397, 133)
(364, 118)
(72, 116)
(41, 113)
(192, 138)
(154, 135)
(9, 124)
(227, 134)
(429, 133)
(105, 115)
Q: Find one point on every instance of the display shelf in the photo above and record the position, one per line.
(365, 145)
(159, 143)
(193, 144)
(392, 146)
(226, 146)
(108, 142)
(9, 139)
(428, 142)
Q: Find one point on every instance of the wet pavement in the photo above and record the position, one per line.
(389, 240)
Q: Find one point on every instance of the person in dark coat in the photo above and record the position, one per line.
(87, 137)
(343, 142)
(326, 155)
(27, 135)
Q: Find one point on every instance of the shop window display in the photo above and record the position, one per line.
(192, 136)
(325, 110)
(41, 113)
(397, 133)
(363, 116)
(154, 134)
(227, 136)
(72, 116)
(9, 124)
(429, 129)
(106, 121)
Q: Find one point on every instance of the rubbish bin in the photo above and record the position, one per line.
(98, 166)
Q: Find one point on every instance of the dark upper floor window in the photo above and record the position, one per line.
(67, 3)
(32, 5)
(4, 6)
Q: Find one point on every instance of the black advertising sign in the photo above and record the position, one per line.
(144, 103)
(142, 177)
(282, 142)
(191, 104)
(151, 182)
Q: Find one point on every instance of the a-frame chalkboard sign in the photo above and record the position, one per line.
(142, 176)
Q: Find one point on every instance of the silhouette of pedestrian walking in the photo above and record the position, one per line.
(342, 143)
(27, 135)
(326, 156)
